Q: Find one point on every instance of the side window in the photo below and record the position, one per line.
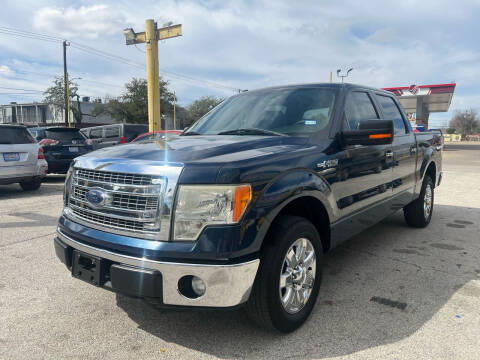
(96, 133)
(391, 111)
(112, 132)
(359, 107)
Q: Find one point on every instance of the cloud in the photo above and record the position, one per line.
(6, 71)
(252, 44)
(88, 22)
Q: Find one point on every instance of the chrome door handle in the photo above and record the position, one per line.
(389, 154)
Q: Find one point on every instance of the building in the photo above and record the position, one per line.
(420, 101)
(44, 114)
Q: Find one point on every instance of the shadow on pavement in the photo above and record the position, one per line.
(420, 268)
(50, 184)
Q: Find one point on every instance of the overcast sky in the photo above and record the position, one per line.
(248, 44)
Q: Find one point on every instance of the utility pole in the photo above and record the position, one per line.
(150, 37)
(66, 84)
(174, 111)
(331, 77)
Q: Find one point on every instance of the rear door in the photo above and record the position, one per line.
(18, 152)
(404, 150)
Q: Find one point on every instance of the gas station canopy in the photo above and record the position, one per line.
(421, 100)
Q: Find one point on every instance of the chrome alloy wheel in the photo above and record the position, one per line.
(427, 201)
(297, 275)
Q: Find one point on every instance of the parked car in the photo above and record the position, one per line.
(60, 146)
(241, 208)
(21, 158)
(156, 135)
(109, 135)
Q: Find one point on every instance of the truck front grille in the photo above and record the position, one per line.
(130, 203)
(114, 177)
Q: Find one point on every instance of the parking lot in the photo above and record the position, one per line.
(390, 292)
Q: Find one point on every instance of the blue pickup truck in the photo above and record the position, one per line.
(240, 209)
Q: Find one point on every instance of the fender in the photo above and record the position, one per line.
(277, 194)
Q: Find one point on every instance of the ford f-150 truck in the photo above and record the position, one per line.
(240, 208)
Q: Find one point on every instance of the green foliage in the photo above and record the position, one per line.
(465, 122)
(55, 95)
(450, 130)
(199, 108)
(132, 106)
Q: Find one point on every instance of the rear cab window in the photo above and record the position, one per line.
(15, 135)
(392, 112)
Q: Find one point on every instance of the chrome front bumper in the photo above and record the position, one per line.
(226, 285)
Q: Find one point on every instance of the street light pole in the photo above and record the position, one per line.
(151, 36)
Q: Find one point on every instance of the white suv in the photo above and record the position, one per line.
(21, 158)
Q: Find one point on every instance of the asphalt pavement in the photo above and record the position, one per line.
(391, 292)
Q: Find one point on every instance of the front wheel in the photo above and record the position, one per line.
(288, 279)
(419, 212)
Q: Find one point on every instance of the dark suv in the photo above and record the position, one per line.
(60, 146)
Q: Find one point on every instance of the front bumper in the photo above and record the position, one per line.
(226, 285)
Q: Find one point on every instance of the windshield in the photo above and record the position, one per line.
(290, 111)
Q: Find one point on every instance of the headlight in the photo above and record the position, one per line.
(200, 205)
(68, 181)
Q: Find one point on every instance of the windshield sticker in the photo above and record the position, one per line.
(310, 122)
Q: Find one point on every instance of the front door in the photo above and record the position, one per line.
(363, 179)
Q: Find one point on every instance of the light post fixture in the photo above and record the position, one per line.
(345, 75)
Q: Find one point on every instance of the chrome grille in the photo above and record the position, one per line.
(132, 202)
(114, 177)
(109, 221)
(122, 201)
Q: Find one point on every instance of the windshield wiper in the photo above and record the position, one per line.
(251, 131)
(190, 133)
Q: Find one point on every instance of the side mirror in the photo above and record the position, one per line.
(369, 132)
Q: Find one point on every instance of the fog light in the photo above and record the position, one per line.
(198, 286)
(191, 287)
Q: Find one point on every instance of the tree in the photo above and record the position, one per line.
(199, 108)
(450, 130)
(465, 122)
(55, 95)
(132, 106)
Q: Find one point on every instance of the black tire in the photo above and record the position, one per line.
(264, 306)
(31, 184)
(414, 212)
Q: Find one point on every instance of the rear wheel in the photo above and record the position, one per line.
(419, 212)
(31, 185)
(288, 280)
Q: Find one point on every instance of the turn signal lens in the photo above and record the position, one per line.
(380, 136)
(243, 195)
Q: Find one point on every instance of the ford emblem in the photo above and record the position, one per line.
(96, 197)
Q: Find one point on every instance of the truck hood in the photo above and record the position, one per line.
(216, 149)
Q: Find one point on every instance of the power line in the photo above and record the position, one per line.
(109, 56)
(28, 90)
